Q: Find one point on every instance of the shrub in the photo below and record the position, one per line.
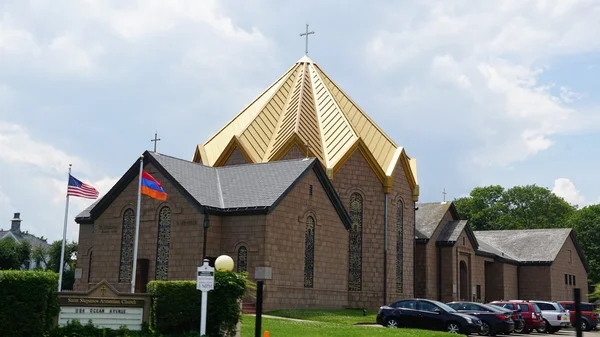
(176, 305)
(29, 305)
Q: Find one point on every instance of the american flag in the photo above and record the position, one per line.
(78, 189)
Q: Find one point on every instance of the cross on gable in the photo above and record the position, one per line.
(103, 290)
(155, 140)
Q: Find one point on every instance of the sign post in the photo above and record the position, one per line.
(205, 283)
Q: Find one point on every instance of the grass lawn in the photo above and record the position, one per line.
(286, 328)
(327, 323)
(343, 316)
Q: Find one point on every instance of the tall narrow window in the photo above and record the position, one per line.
(127, 237)
(309, 252)
(355, 249)
(400, 247)
(242, 257)
(162, 245)
(90, 267)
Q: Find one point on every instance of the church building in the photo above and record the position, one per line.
(304, 182)
(456, 263)
(301, 180)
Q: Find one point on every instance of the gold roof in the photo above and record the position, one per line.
(305, 107)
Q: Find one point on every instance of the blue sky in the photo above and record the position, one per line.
(498, 92)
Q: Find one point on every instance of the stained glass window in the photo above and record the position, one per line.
(399, 247)
(242, 257)
(309, 252)
(355, 249)
(127, 238)
(162, 245)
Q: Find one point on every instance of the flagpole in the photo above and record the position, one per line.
(62, 250)
(137, 226)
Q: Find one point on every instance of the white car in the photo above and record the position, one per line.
(555, 316)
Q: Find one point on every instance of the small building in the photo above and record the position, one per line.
(457, 263)
(15, 233)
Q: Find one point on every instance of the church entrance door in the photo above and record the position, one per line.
(464, 281)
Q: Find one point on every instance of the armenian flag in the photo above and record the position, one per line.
(152, 187)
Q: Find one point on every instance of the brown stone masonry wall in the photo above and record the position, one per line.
(479, 276)
(293, 153)
(285, 251)
(568, 262)
(534, 283)
(186, 236)
(357, 176)
(248, 231)
(236, 158)
(448, 274)
(432, 259)
(511, 285)
(401, 191)
(466, 253)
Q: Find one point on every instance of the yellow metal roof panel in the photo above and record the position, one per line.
(305, 107)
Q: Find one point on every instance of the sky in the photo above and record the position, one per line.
(481, 93)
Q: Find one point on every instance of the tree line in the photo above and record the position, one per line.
(534, 207)
(17, 255)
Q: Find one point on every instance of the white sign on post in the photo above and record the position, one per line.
(205, 283)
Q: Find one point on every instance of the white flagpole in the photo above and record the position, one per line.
(137, 226)
(62, 251)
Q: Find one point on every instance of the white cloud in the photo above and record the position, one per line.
(37, 179)
(565, 188)
(493, 56)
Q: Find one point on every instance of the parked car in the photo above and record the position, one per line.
(589, 319)
(494, 320)
(530, 311)
(555, 316)
(427, 314)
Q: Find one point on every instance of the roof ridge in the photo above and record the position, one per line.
(221, 201)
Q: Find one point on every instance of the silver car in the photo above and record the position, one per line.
(555, 316)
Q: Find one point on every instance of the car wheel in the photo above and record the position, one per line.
(453, 327)
(391, 323)
(521, 329)
(485, 329)
(584, 325)
(545, 327)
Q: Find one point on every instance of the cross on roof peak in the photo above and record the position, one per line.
(307, 33)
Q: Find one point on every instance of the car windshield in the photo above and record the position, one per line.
(560, 307)
(536, 308)
(444, 306)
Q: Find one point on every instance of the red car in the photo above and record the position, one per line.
(530, 311)
(589, 319)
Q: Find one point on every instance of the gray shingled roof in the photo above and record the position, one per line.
(236, 186)
(32, 239)
(528, 245)
(428, 218)
(452, 231)
(231, 187)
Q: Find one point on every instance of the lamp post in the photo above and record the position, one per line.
(205, 224)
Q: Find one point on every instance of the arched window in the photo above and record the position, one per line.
(162, 244)
(309, 252)
(399, 247)
(127, 237)
(355, 249)
(242, 258)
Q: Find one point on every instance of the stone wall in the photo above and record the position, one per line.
(568, 262)
(285, 247)
(236, 158)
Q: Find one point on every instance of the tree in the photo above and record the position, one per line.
(520, 207)
(586, 223)
(51, 259)
(14, 255)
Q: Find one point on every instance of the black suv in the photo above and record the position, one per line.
(427, 314)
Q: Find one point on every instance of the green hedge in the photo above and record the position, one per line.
(28, 302)
(176, 305)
